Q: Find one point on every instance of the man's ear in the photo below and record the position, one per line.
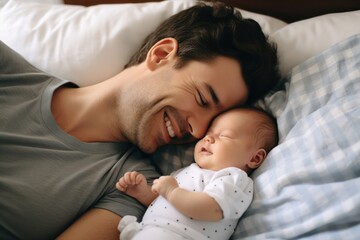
(257, 159)
(162, 52)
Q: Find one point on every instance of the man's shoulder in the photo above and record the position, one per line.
(12, 62)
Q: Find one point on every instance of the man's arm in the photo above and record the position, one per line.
(93, 225)
(101, 223)
(197, 205)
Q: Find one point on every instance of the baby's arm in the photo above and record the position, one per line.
(134, 184)
(197, 205)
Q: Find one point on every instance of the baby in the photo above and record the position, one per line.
(206, 199)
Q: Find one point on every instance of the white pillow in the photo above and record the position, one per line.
(3, 2)
(268, 24)
(88, 44)
(301, 40)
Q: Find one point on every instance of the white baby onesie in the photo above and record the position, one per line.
(230, 187)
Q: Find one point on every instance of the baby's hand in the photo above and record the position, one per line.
(135, 185)
(130, 181)
(164, 186)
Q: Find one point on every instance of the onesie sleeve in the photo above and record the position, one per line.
(232, 189)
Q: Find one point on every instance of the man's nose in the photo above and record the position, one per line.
(198, 126)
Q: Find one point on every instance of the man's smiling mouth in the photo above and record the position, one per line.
(169, 127)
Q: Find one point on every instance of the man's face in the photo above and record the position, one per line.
(177, 105)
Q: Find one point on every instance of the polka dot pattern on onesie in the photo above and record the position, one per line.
(219, 183)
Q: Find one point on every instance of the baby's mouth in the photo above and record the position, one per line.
(204, 150)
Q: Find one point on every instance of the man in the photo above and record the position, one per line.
(62, 148)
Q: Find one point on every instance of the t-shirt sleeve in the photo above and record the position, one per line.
(232, 189)
(12, 62)
(120, 203)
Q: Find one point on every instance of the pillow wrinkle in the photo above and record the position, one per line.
(87, 45)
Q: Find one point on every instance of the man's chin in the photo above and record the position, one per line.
(148, 149)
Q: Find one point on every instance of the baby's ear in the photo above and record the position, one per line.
(257, 159)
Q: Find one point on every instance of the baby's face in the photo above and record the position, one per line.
(229, 142)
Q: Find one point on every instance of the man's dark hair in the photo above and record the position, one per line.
(206, 31)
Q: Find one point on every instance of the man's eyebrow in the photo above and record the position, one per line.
(213, 94)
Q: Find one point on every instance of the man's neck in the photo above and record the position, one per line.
(85, 114)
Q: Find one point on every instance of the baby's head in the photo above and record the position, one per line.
(241, 138)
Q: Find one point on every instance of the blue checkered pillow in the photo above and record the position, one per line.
(308, 187)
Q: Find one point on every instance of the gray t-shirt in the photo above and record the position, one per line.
(48, 178)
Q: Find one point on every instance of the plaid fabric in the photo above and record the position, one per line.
(308, 187)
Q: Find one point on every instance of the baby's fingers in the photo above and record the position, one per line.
(124, 182)
(121, 185)
(131, 178)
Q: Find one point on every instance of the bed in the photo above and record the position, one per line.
(308, 186)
